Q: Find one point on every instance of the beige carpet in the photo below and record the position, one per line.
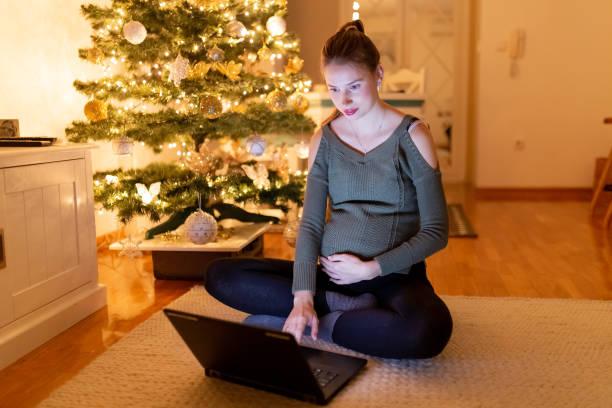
(509, 352)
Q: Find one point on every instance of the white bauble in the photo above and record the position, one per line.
(236, 29)
(256, 145)
(276, 25)
(200, 227)
(134, 32)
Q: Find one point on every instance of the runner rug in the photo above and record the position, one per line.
(459, 225)
(504, 352)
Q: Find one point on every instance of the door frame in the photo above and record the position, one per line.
(456, 171)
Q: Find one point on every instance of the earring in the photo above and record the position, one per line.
(380, 85)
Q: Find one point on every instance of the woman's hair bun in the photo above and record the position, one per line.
(353, 25)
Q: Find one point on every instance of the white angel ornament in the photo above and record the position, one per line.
(148, 195)
(259, 174)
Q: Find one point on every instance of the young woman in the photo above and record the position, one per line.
(359, 279)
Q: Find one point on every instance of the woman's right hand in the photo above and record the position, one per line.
(302, 315)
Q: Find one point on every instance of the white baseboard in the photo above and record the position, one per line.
(25, 334)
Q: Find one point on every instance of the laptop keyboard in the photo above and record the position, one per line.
(323, 377)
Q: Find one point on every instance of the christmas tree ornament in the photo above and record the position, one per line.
(259, 174)
(134, 32)
(95, 110)
(236, 29)
(256, 145)
(200, 227)
(277, 101)
(211, 107)
(302, 149)
(276, 25)
(201, 162)
(147, 195)
(95, 56)
(130, 248)
(123, 146)
(216, 54)
(290, 232)
(299, 102)
(229, 69)
(294, 65)
(224, 233)
(178, 69)
(264, 53)
(199, 70)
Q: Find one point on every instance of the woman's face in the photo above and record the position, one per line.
(352, 88)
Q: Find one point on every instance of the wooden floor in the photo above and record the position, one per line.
(528, 249)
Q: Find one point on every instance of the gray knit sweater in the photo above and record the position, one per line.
(386, 205)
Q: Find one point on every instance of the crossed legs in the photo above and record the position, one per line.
(411, 321)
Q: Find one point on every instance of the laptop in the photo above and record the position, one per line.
(264, 358)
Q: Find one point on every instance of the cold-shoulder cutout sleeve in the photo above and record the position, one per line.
(314, 146)
(433, 233)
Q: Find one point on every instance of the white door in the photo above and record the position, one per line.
(44, 218)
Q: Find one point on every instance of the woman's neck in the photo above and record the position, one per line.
(369, 122)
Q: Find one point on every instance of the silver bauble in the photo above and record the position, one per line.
(200, 227)
(290, 232)
(236, 29)
(255, 145)
(135, 32)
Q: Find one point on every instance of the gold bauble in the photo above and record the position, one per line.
(277, 101)
(299, 102)
(95, 56)
(199, 70)
(211, 107)
(264, 53)
(95, 110)
(294, 65)
(216, 54)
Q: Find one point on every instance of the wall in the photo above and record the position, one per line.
(313, 21)
(39, 42)
(555, 105)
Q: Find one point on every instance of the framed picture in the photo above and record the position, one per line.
(9, 127)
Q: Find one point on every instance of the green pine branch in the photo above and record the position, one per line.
(180, 188)
(159, 128)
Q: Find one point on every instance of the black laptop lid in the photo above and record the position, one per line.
(253, 354)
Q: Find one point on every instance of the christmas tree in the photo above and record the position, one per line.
(201, 77)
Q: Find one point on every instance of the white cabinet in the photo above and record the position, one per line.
(48, 274)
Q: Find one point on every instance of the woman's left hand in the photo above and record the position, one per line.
(345, 268)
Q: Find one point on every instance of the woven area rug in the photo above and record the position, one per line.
(459, 226)
(504, 352)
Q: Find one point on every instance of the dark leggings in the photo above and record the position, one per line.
(411, 321)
